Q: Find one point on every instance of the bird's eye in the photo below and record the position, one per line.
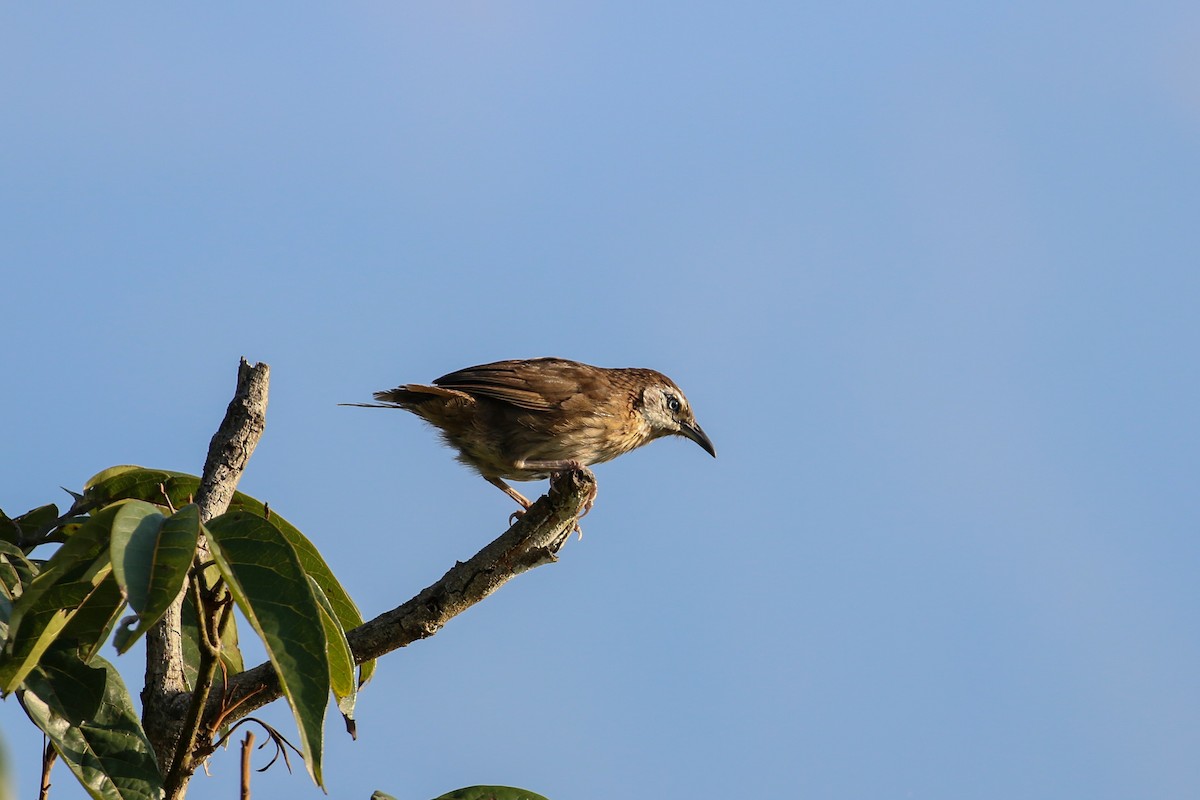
(673, 403)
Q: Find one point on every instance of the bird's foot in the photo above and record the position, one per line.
(589, 500)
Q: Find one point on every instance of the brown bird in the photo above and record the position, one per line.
(528, 419)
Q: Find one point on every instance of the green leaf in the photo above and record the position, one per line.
(151, 556)
(341, 661)
(490, 793)
(344, 609)
(104, 474)
(159, 486)
(92, 622)
(80, 549)
(36, 522)
(273, 592)
(30, 524)
(16, 571)
(134, 541)
(66, 582)
(10, 531)
(5, 614)
(87, 714)
(46, 622)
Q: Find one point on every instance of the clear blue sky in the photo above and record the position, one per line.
(929, 274)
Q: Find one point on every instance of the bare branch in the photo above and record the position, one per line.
(228, 454)
(532, 541)
(234, 441)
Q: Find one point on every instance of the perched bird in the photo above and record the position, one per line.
(527, 419)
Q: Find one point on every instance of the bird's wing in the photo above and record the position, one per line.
(540, 384)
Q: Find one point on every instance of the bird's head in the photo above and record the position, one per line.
(666, 411)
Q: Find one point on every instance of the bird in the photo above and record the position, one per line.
(529, 419)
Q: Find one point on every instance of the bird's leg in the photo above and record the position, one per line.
(514, 494)
(555, 465)
(511, 492)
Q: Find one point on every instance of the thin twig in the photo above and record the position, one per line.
(247, 750)
(167, 498)
(48, 756)
(185, 762)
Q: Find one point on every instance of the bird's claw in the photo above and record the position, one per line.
(589, 501)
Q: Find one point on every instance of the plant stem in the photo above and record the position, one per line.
(48, 756)
(247, 749)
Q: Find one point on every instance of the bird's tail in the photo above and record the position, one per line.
(409, 395)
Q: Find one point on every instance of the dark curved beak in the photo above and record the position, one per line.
(697, 435)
